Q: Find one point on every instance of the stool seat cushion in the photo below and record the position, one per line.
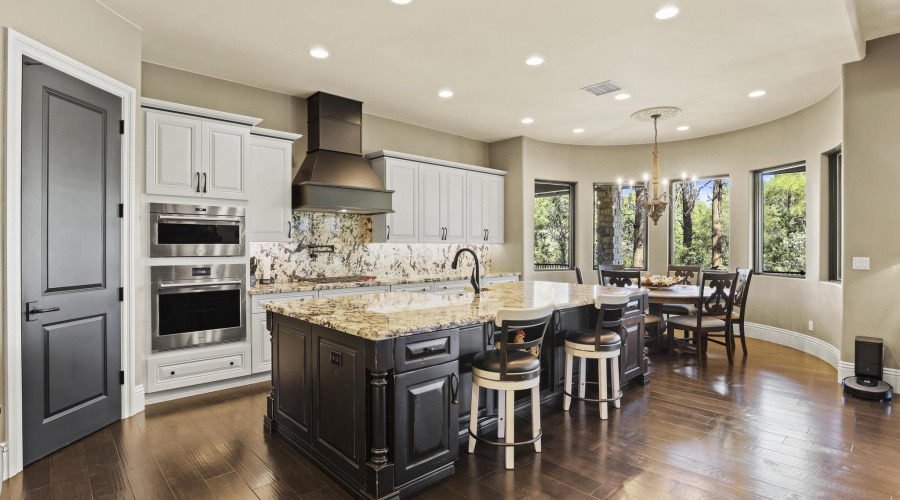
(650, 318)
(518, 362)
(609, 340)
(691, 321)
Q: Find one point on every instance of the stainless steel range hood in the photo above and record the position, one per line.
(335, 177)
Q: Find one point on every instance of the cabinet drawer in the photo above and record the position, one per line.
(414, 287)
(451, 286)
(185, 372)
(360, 290)
(426, 349)
(501, 279)
(260, 300)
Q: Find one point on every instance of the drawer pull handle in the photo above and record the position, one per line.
(454, 388)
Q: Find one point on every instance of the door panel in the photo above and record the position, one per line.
(173, 154)
(430, 206)
(475, 210)
(224, 167)
(270, 190)
(403, 177)
(453, 199)
(493, 208)
(70, 259)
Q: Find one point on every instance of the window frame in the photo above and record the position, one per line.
(799, 166)
(671, 236)
(594, 235)
(835, 213)
(572, 226)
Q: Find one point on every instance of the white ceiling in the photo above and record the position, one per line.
(396, 58)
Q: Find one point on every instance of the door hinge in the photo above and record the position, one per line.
(122, 127)
(121, 294)
(121, 378)
(121, 210)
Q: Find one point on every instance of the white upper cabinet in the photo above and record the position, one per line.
(402, 226)
(269, 211)
(196, 152)
(437, 201)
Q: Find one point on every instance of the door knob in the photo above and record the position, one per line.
(31, 310)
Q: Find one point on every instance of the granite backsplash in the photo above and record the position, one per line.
(355, 254)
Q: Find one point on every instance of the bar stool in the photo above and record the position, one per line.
(512, 367)
(601, 343)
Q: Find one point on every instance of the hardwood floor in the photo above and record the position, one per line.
(772, 426)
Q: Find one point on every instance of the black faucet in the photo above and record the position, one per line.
(476, 273)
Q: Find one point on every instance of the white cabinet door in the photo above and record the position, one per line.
(402, 177)
(262, 344)
(172, 155)
(224, 170)
(493, 208)
(475, 227)
(453, 202)
(431, 208)
(269, 212)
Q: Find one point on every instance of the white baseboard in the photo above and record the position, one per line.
(137, 401)
(800, 341)
(183, 392)
(4, 463)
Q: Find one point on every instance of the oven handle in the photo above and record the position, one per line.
(210, 219)
(204, 283)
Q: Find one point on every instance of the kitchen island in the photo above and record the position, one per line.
(375, 389)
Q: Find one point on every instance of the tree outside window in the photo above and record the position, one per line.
(781, 220)
(554, 219)
(699, 223)
(620, 223)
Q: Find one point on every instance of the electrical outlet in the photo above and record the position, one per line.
(810, 325)
(861, 263)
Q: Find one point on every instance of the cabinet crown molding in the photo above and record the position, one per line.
(434, 161)
(274, 134)
(184, 109)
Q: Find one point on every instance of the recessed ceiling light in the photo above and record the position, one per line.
(318, 53)
(667, 13)
(446, 93)
(578, 130)
(622, 97)
(757, 93)
(401, 2)
(534, 60)
(683, 128)
(527, 120)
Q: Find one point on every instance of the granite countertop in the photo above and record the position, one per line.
(388, 315)
(306, 286)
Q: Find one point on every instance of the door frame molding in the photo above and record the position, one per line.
(18, 46)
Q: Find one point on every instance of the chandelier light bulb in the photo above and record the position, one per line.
(683, 175)
(694, 179)
(619, 181)
(665, 182)
(631, 182)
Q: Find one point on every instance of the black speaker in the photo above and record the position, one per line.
(867, 382)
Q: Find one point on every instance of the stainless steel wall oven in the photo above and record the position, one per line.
(194, 305)
(196, 231)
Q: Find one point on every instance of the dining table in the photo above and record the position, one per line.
(675, 294)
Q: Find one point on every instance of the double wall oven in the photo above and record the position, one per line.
(195, 305)
(196, 231)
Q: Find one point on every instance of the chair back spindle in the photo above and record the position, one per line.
(510, 320)
(687, 275)
(620, 278)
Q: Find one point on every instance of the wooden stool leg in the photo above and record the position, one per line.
(473, 417)
(567, 401)
(510, 430)
(582, 377)
(536, 416)
(615, 380)
(601, 368)
(501, 414)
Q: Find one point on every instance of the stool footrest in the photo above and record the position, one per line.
(503, 443)
(617, 397)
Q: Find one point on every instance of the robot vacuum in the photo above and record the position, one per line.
(867, 381)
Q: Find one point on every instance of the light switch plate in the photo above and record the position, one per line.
(861, 263)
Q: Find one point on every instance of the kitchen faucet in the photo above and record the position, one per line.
(476, 273)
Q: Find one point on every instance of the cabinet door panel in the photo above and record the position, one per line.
(493, 208)
(453, 201)
(403, 177)
(225, 161)
(261, 353)
(292, 378)
(426, 420)
(172, 145)
(475, 207)
(431, 208)
(472, 340)
(269, 213)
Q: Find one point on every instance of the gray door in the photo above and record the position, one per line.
(70, 259)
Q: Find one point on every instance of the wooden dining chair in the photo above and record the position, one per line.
(687, 275)
(741, 290)
(608, 267)
(651, 322)
(714, 315)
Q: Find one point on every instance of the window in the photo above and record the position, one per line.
(780, 231)
(835, 213)
(699, 223)
(554, 225)
(619, 237)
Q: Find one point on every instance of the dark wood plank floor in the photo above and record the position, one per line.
(772, 426)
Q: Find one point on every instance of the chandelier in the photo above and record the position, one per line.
(653, 199)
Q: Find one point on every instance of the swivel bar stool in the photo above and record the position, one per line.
(601, 343)
(512, 367)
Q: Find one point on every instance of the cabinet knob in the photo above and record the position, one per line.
(232, 363)
(172, 373)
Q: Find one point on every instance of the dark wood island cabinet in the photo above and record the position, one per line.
(375, 390)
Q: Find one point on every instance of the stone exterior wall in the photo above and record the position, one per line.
(609, 227)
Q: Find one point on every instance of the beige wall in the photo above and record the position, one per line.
(86, 31)
(788, 303)
(871, 174)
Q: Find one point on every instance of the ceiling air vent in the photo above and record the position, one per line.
(603, 88)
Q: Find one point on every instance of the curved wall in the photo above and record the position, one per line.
(787, 303)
